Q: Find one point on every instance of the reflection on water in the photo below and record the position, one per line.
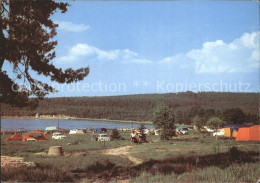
(31, 124)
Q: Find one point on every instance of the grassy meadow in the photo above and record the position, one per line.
(194, 157)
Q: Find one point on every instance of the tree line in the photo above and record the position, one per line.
(187, 107)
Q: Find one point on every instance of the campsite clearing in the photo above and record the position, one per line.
(90, 160)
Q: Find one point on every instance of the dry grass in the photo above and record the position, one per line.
(192, 158)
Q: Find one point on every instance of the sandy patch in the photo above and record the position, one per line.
(123, 151)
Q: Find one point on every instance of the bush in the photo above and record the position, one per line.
(100, 167)
(115, 134)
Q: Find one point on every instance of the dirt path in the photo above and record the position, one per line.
(123, 151)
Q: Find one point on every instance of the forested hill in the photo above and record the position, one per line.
(140, 107)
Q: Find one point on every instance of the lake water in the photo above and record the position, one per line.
(31, 124)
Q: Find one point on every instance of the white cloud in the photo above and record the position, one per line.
(93, 53)
(250, 40)
(128, 54)
(176, 59)
(108, 55)
(241, 55)
(179, 61)
(69, 26)
(83, 49)
(255, 55)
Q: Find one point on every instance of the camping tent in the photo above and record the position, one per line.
(249, 133)
(35, 136)
(76, 131)
(50, 129)
(80, 132)
(227, 132)
(231, 130)
(234, 135)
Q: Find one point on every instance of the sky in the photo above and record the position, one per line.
(145, 47)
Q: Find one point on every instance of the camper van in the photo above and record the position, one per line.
(103, 137)
(58, 135)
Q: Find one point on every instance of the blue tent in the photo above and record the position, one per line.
(237, 126)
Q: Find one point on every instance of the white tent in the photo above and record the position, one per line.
(76, 131)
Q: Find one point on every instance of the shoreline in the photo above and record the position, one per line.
(75, 118)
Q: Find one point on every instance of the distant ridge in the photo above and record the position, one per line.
(140, 107)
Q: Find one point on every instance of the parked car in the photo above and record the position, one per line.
(17, 137)
(58, 135)
(103, 137)
(219, 132)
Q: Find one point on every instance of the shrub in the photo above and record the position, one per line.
(100, 167)
(115, 134)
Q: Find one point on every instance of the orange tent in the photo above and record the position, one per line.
(232, 130)
(35, 136)
(227, 132)
(235, 134)
(249, 133)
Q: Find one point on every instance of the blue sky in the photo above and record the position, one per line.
(159, 47)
